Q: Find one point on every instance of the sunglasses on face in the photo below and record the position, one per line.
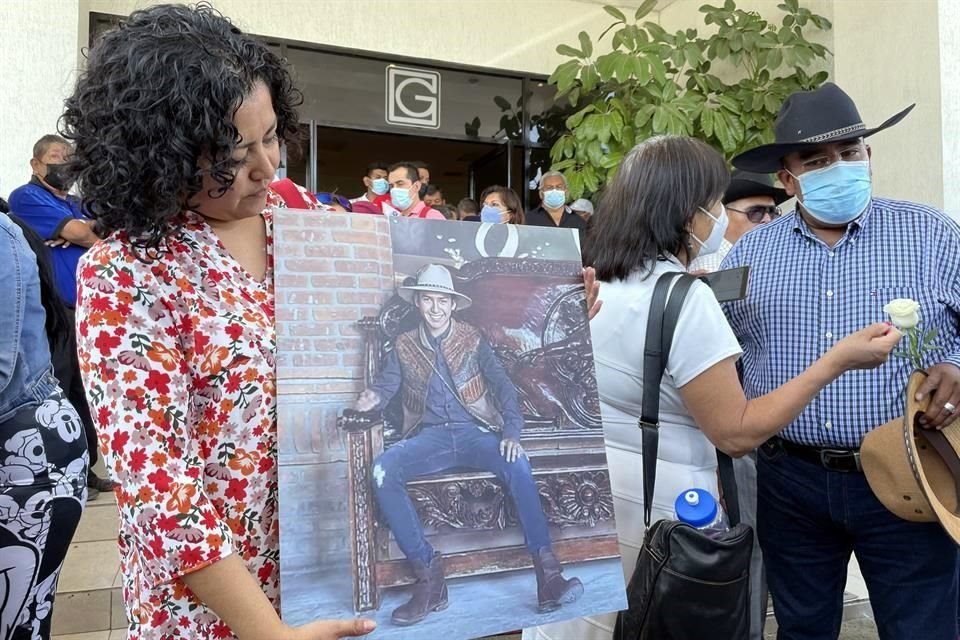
(757, 213)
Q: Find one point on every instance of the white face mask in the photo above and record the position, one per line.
(715, 239)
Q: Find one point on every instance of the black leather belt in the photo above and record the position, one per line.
(844, 460)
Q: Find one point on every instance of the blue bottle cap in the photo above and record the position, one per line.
(696, 507)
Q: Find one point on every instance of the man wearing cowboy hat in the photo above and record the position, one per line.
(460, 409)
(750, 200)
(816, 276)
(753, 200)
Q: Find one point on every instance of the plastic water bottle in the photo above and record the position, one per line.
(699, 509)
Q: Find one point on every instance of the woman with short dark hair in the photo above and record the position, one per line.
(506, 202)
(177, 123)
(662, 210)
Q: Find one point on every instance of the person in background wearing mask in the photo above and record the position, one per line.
(423, 171)
(553, 211)
(752, 200)
(816, 276)
(57, 217)
(375, 181)
(405, 193)
(749, 201)
(434, 196)
(44, 204)
(501, 205)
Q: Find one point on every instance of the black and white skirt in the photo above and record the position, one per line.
(43, 489)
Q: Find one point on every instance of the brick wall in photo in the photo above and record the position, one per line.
(332, 270)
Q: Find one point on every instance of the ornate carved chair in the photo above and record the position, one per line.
(532, 313)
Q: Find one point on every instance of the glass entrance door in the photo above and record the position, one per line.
(460, 168)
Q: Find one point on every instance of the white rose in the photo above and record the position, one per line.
(903, 312)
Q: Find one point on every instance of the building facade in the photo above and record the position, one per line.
(383, 78)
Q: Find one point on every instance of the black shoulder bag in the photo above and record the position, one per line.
(687, 585)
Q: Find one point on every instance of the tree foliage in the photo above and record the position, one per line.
(724, 88)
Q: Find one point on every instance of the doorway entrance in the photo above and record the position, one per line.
(462, 169)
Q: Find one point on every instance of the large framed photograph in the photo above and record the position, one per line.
(442, 463)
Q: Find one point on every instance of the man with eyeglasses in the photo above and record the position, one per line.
(816, 276)
(750, 200)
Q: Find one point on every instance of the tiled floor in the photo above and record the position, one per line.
(89, 605)
(95, 635)
(89, 599)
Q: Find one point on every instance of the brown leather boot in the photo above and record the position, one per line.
(429, 593)
(553, 590)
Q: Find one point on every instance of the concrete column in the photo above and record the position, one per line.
(887, 56)
(38, 55)
(949, 32)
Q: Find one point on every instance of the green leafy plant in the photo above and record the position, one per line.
(724, 88)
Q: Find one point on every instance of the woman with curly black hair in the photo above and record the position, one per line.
(177, 124)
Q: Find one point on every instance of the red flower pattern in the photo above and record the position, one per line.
(188, 495)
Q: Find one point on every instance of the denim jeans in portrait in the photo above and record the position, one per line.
(809, 522)
(441, 447)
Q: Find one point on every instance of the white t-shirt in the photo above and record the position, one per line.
(685, 458)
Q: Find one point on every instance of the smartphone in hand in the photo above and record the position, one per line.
(730, 284)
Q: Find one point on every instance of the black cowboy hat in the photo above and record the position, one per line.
(744, 184)
(826, 114)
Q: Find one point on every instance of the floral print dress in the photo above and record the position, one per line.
(177, 354)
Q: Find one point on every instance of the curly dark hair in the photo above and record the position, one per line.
(159, 93)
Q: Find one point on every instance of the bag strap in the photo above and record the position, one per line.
(661, 324)
(728, 484)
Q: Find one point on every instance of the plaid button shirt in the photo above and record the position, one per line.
(804, 296)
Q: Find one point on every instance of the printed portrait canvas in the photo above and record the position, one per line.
(442, 464)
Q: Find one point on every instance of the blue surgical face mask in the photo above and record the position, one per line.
(401, 198)
(490, 214)
(554, 198)
(715, 240)
(380, 186)
(837, 194)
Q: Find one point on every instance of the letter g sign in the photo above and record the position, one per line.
(413, 97)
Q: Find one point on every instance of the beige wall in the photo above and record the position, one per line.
(684, 14)
(38, 58)
(519, 35)
(887, 56)
(950, 101)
